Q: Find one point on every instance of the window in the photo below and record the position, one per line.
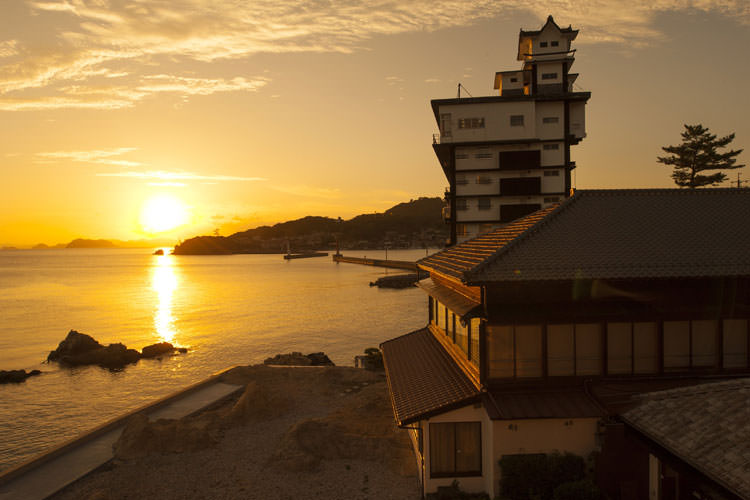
(619, 348)
(528, 350)
(462, 229)
(588, 349)
(552, 173)
(516, 120)
(485, 204)
(520, 185)
(445, 124)
(500, 351)
(471, 123)
(462, 336)
(645, 347)
(483, 156)
(703, 338)
(554, 43)
(551, 199)
(512, 212)
(551, 146)
(461, 181)
(513, 80)
(485, 228)
(542, 44)
(462, 205)
(462, 156)
(676, 345)
(474, 341)
(735, 343)
(549, 76)
(482, 179)
(455, 449)
(551, 119)
(560, 350)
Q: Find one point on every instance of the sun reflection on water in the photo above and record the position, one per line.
(164, 282)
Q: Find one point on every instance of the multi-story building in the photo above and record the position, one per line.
(508, 155)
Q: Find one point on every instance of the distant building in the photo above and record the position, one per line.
(508, 155)
(552, 334)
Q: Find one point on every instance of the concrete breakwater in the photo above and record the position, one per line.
(394, 264)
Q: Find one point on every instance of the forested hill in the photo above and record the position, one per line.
(416, 223)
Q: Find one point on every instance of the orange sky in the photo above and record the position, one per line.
(244, 113)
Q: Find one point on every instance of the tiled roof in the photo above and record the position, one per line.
(707, 426)
(610, 234)
(454, 301)
(571, 402)
(458, 259)
(422, 377)
(569, 29)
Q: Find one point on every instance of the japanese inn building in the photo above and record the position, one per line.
(610, 324)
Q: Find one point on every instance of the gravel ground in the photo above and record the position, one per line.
(295, 433)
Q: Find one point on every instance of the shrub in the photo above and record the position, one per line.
(577, 490)
(535, 476)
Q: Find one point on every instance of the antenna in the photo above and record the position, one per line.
(460, 86)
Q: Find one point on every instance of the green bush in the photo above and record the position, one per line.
(453, 492)
(577, 490)
(535, 476)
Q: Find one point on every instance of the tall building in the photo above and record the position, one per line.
(508, 155)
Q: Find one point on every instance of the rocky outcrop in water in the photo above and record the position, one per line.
(299, 359)
(397, 281)
(16, 376)
(79, 349)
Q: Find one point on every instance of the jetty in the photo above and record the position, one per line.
(305, 255)
(395, 264)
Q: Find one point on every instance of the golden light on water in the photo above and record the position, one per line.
(161, 213)
(164, 282)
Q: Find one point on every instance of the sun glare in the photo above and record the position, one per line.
(162, 213)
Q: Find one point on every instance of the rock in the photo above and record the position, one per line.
(290, 359)
(74, 344)
(398, 281)
(159, 252)
(320, 359)
(16, 376)
(151, 351)
(80, 349)
(182, 350)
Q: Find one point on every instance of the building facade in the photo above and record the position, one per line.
(544, 335)
(508, 155)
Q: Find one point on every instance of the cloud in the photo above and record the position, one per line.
(178, 176)
(98, 156)
(310, 191)
(77, 44)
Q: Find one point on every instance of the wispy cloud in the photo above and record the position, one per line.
(98, 156)
(89, 42)
(178, 176)
(310, 191)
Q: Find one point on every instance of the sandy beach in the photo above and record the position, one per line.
(295, 432)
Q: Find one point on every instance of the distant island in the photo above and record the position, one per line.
(99, 243)
(415, 224)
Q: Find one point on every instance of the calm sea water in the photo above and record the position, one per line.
(228, 310)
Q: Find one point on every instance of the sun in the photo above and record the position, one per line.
(161, 213)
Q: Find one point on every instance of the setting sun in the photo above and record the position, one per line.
(162, 213)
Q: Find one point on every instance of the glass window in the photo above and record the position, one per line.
(554, 43)
(500, 347)
(703, 338)
(676, 345)
(455, 449)
(542, 44)
(619, 348)
(549, 76)
(462, 336)
(474, 334)
(551, 119)
(516, 120)
(528, 339)
(645, 348)
(735, 343)
(484, 204)
(551, 146)
(560, 350)
(588, 349)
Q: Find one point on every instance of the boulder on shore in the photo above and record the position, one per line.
(80, 349)
(16, 376)
(299, 359)
(397, 281)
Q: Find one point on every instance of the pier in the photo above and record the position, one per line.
(395, 264)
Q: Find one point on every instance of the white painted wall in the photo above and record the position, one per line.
(578, 119)
(477, 484)
(553, 184)
(552, 157)
(511, 437)
(497, 121)
(549, 67)
(550, 130)
(473, 213)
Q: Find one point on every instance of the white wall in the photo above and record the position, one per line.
(550, 130)
(578, 119)
(477, 484)
(497, 121)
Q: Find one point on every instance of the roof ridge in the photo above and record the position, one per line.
(522, 236)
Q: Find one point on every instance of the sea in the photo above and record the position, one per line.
(227, 310)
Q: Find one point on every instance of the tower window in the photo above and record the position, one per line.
(484, 180)
(549, 76)
(551, 173)
(516, 120)
(554, 43)
(462, 205)
(550, 119)
(514, 80)
(551, 146)
(485, 204)
(471, 123)
(542, 44)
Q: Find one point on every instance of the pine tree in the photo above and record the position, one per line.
(699, 152)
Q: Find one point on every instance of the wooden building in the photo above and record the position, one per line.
(543, 334)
